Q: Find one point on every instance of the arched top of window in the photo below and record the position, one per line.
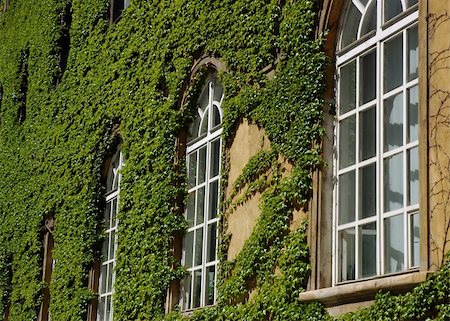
(113, 178)
(209, 111)
(361, 17)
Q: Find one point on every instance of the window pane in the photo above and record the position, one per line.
(215, 158)
(367, 190)
(108, 308)
(393, 244)
(192, 169)
(413, 53)
(109, 283)
(204, 123)
(370, 19)
(413, 108)
(216, 116)
(213, 199)
(414, 245)
(347, 254)
(347, 87)
(114, 211)
(413, 176)
(187, 291)
(393, 63)
(368, 250)
(200, 206)
(107, 215)
(201, 165)
(411, 2)
(198, 246)
(392, 8)
(210, 284)
(347, 142)
(101, 309)
(188, 248)
(197, 287)
(393, 122)
(347, 197)
(112, 244)
(190, 210)
(211, 252)
(368, 77)
(393, 182)
(103, 277)
(367, 134)
(105, 247)
(351, 25)
(218, 91)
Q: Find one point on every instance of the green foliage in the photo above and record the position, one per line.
(131, 74)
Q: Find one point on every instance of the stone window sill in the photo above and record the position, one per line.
(363, 290)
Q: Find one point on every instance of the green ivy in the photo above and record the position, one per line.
(131, 75)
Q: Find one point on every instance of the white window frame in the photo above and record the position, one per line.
(384, 31)
(111, 195)
(212, 135)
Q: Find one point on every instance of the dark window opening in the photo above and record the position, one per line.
(5, 284)
(23, 89)
(116, 9)
(47, 266)
(65, 21)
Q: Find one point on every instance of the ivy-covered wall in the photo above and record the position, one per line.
(60, 107)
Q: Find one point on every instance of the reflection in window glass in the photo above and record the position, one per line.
(393, 122)
(414, 239)
(413, 110)
(200, 241)
(393, 63)
(347, 254)
(347, 142)
(109, 246)
(350, 33)
(368, 187)
(347, 89)
(394, 244)
(376, 146)
(368, 250)
(368, 76)
(393, 182)
(347, 197)
(392, 8)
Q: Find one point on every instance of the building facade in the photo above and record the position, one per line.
(224, 160)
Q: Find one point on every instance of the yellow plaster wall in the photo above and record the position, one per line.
(249, 139)
(437, 129)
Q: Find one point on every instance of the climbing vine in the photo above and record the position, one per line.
(71, 83)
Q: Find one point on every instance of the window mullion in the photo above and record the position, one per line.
(380, 164)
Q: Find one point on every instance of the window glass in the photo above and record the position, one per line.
(392, 8)
(200, 241)
(368, 249)
(351, 25)
(393, 122)
(393, 63)
(109, 246)
(376, 194)
(347, 197)
(347, 142)
(347, 89)
(368, 75)
(394, 244)
(347, 254)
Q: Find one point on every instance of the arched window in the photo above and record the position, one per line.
(203, 162)
(376, 212)
(108, 261)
